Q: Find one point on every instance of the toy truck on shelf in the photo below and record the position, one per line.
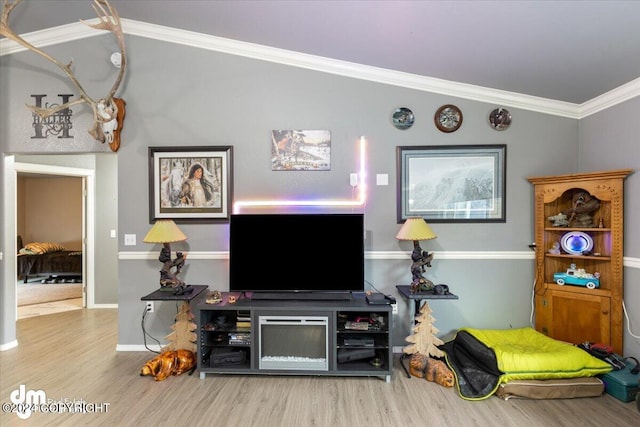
(577, 277)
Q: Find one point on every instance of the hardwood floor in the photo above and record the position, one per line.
(45, 308)
(72, 356)
(48, 307)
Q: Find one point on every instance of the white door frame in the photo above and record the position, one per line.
(88, 219)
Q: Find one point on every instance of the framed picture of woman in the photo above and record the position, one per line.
(190, 184)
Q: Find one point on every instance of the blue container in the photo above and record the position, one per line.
(622, 384)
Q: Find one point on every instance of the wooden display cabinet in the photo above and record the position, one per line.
(576, 313)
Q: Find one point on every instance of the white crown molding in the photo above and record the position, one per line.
(76, 31)
(52, 36)
(613, 97)
(349, 69)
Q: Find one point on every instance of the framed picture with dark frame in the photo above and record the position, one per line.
(460, 183)
(190, 184)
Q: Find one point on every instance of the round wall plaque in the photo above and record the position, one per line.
(448, 118)
(500, 119)
(403, 118)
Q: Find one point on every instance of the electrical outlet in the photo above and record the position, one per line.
(394, 308)
(149, 307)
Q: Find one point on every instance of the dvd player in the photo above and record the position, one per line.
(364, 341)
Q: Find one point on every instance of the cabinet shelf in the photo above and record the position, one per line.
(205, 347)
(369, 331)
(578, 290)
(589, 257)
(583, 229)
(360, 366)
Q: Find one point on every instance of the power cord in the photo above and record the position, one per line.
(533, 304)
(626, 316)
(145, 334)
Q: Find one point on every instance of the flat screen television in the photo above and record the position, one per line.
(296, 256)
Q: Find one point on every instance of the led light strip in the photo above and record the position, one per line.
(358, 202)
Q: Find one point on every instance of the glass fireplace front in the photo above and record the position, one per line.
(294, 342)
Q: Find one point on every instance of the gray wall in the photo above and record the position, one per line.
(609, 140)
(221, 99)
(178, 96)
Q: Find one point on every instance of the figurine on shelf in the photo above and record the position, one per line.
(169, 279)
(559, 220)
(555, 249)
(583, 205)
(420, 259)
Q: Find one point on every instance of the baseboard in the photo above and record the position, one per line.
(9, 345)
(103, 306)
(137, 347)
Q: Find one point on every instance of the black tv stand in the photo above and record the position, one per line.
(271, 337)
(301, 296)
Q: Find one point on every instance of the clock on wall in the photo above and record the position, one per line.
(448, 118)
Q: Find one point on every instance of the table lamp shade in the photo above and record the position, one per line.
(164, 231)
(415, 229)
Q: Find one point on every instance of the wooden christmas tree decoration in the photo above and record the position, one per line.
(424, 339)
(424, 345)
(183, 336)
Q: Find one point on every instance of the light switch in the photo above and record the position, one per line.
(129, 239)
(382, 179)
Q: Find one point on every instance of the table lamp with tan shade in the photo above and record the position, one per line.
(416, 229)
(166, 231)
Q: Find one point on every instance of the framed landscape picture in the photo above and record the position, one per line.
(463, 183)
(190, 184)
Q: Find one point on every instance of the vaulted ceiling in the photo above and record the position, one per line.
(568, 51)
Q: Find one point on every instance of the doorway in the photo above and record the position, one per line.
(49, 213)
(63, 177)
(100, 171)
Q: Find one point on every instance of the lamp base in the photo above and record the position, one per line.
(181, 289)
(168, 277)
(421, 259)
(422, 285)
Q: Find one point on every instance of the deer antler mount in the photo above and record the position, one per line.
(108, 112)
